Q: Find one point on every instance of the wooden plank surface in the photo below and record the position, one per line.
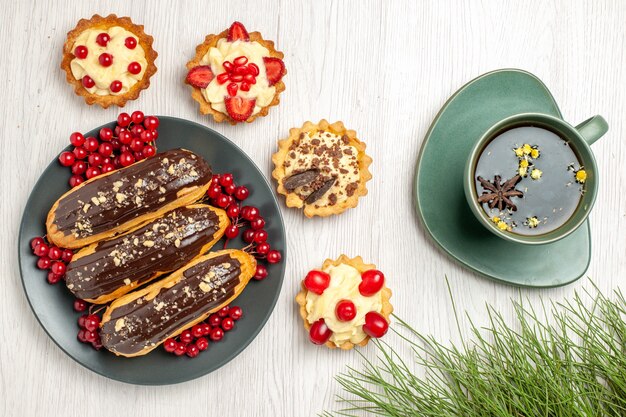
(385, 69)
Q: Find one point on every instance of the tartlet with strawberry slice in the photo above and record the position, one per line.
(236, 76)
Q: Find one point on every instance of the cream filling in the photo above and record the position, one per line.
(346, 171)
(118, 70)
(344, 285)
(215, 92)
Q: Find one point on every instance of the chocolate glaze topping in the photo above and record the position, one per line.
(162, 245)
(129, 193)
(144, 323)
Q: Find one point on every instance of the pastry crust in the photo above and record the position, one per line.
(224, 221)
(359, 265)
(205, 107)
(292, 199)
(247, 270)
(143, 40)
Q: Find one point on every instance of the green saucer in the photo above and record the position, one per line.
(440, 199)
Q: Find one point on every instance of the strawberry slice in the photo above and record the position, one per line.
(239, 108)
(200, 76)
(238, 32)
(274, 69)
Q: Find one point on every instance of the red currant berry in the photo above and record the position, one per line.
(248, 236)
(91, 144)
(192, 350)
(241, 193)
(53, 278)
(250, 213)
(274, 257)
(215, 320)
(79, 167)
(169, 345)
(95, 159)
(90, 336)
(81, 52)
(102, 39)
(231, 231)
(41, 250)
(116, 86)
(123, 119)
(105, 149)
(253, 69)
(230, 189)
(80, 305)
(257, 223)
(319, 333)
(214, 191)
(77, 139)
(80, 153)
(222, 201)
(36, 241)
(76, 180)
(235, 313)
(260, 273)
(67, 158)
(217, 334)
(226, 179)
(232, 89)
(81, 321)
(106, 134)
(97, 343)
(54, 253)
(125, 138)
(134, 68)
(130, 42)
(149, 151)
(126, 159)
(151, 122)
(137, 117)
(81, 336)
(58, 268)
(223, 312)
(240, 60)
(245, 86)
(66, 255)
(345, 310)
(228, 324)
(260, 236)
(91, 322)
(196, 330)
(107, 168)
(232, 211)
(105, 59)
(92, 172)
(263, 248)
(88, 82)
(372, 282)
(202, 343)
(181, 348)
(375, 325)
(146, 136)
(186, 336)
(206, 329)
(316, 281)
(136, 145)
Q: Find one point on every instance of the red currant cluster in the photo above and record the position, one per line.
(193, 341)
(51, 258)
(131, 140)
(372, 282)
(220, 193)
(88, 333)
(238, 71)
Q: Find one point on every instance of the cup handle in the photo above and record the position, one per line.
(593, 128)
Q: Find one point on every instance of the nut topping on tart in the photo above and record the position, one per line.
(108, 60)
(236, 76)
(345, 303)
(321, 167)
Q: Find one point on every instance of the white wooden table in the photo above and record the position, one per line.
(384, 68)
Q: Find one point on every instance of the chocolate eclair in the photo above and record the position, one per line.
(121, 200)
(139, 321)
(104, 271)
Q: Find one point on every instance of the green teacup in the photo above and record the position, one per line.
(577, 138)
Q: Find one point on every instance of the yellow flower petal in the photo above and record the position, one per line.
(532, 222)
(523, 171)
(581, 176)
(519, 152)
(502, 225)
(495, 219)
(527, 149)
(534, 153)
(523, 163)
(536, 174)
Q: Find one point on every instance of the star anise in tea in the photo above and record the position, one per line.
(498, 193)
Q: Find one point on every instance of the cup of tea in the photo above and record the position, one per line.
(532, 178)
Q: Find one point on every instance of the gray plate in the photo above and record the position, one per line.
(52, 304)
